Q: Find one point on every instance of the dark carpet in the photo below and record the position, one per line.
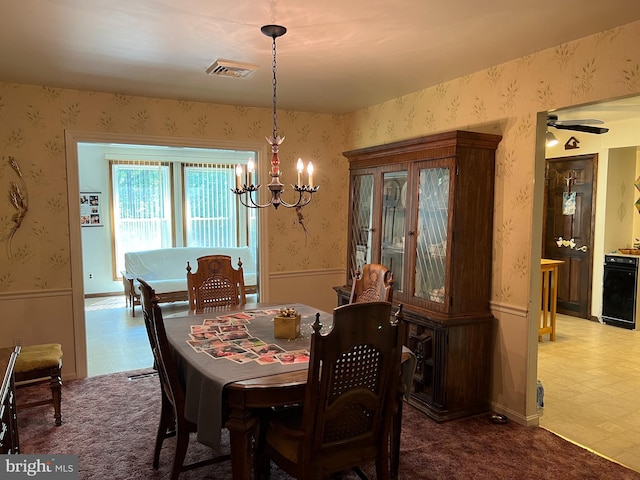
(110, 423)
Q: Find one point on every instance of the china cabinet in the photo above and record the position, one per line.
(424, 208)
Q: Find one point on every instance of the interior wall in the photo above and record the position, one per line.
(93, 171)
(294, 287)
(599, 232)
(506, 99)
(36, 317)
(620, 193)
(636, 213)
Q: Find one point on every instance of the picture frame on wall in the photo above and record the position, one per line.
(90, 209)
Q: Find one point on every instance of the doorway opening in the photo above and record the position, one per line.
(82, 278)
(572, 368)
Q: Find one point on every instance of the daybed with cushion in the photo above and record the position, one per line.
(165, 270)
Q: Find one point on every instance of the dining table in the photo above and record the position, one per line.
(229, 392)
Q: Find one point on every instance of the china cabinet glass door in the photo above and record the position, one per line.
(361, 232)
(432, 237)
(394, 204)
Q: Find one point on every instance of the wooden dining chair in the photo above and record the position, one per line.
(172, 420)
(147, 297)
(373, 284)
(166, 426)
(350, 399)
(215, 283)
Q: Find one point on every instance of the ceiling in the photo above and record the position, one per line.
(609, 111)
(337, 56)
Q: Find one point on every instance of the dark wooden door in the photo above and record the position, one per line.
(570, 217)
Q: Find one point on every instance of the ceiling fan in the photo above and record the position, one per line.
(577, 125)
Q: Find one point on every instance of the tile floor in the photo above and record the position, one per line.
(591, 380)
(116, 341)
(590, 374)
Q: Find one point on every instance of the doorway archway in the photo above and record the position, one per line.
(72, 140)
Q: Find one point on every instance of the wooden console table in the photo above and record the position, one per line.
(548, 297)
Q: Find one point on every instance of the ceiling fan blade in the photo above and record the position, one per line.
(581, 128)
(585, 121)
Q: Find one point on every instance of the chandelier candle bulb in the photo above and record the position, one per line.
(300, 167)
(310, 171)
(238, 176)
(250, 169)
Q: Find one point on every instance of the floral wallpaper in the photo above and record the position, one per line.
(505, 99)
(33, 120)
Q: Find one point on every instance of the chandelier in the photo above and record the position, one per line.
(245, 189)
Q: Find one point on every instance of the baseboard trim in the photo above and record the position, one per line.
(105, 294)
(528, 421)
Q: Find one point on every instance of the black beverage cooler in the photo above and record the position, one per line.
(620, 291)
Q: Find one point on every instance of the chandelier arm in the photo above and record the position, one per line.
(257, 205)
(240, 192)
(242, 201)
(302, 201)
(245, 196)
(299, 203)
(253, 204)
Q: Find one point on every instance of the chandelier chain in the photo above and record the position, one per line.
(275, 96)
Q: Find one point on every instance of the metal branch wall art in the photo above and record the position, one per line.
(19, 198)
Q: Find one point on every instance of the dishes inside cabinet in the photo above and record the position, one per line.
(391, 194)
(437, 295)
(403, 195)
(438, 249)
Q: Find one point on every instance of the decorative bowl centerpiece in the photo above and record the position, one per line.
(286, 323)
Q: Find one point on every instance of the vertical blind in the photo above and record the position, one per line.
(141, 193)
(210, 210)
(156, 206)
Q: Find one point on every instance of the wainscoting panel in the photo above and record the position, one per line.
(311, 287)
(36, 317)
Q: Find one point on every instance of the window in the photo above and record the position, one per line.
(160, 204)
(210, 211)
(141, 207)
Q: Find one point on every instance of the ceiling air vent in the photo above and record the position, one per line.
(224, 68)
